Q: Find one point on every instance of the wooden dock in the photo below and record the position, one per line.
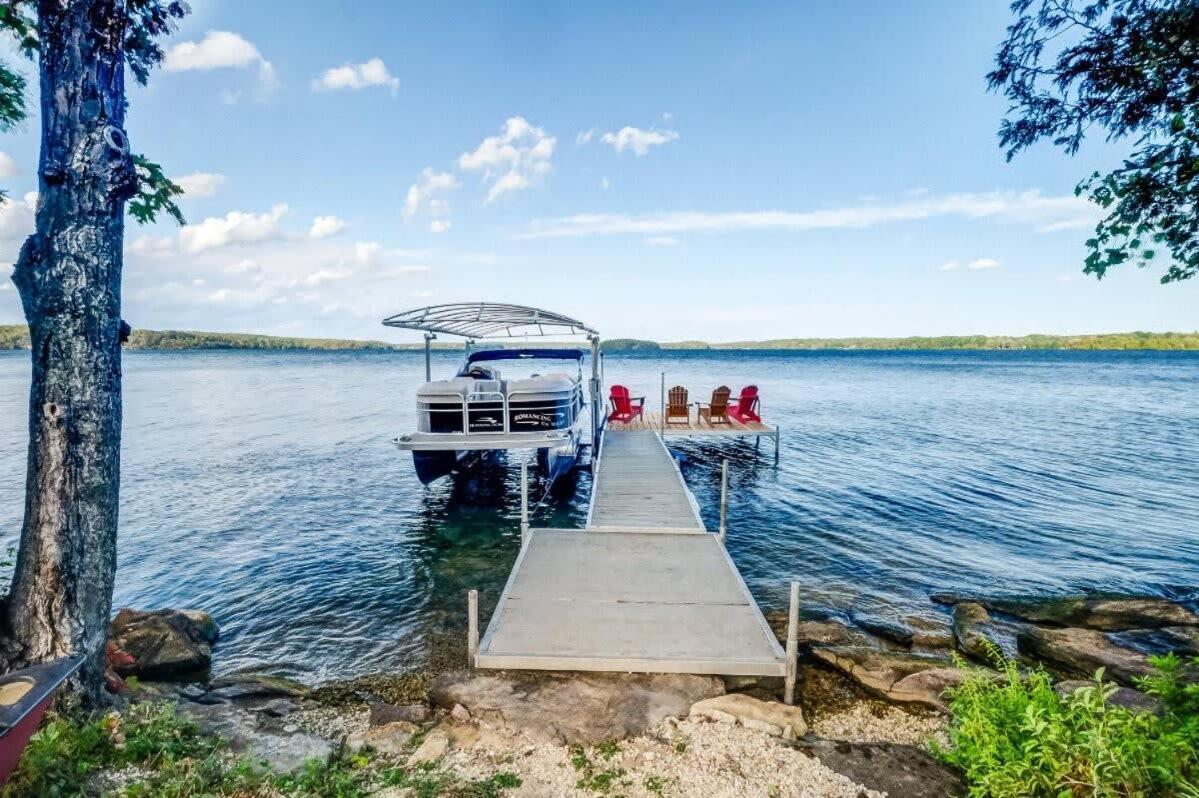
(644, 588)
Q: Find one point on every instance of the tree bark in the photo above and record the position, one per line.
(69, 278)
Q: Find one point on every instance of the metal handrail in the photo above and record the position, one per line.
(506, 399)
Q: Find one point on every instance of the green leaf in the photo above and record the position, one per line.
(155, 193)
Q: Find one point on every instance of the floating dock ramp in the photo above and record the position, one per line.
(643, 588)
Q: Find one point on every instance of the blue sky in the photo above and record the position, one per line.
(676, 172)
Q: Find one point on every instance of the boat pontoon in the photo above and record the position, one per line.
(479, 412)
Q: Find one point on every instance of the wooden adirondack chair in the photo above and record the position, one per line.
(625, 408)
(716, 411)
(678, 411)
(745, 409)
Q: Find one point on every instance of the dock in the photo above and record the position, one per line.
(644, 587)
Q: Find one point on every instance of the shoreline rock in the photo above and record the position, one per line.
(1081, 652)
(1100, 613)
(969, 634)
(162, 644)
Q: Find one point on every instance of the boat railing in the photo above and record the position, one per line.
(463, 405)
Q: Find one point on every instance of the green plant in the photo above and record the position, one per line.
(1015, 737)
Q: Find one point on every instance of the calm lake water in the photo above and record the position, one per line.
(265, 488)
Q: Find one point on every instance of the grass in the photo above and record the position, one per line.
(160, 754)
(1017, 738)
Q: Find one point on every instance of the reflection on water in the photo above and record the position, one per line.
(265, 488)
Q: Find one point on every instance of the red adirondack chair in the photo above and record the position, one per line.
(745, 409)
(624, 407)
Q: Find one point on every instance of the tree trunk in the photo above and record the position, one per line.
(69, 277)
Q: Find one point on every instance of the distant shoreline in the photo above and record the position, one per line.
(15, 337)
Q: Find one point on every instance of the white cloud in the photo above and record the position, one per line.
(16, 222)
(513, 160)
(983, 263)
(422, 196)
(585, 136)
(439, 226)
(662, 241)
(325, 226)
(8, 167)
(638, 140)
(357, 76)
(950, 265)
(367, 251)
(200, 184)
(234, 227)
(605, 183)
(1045, 214)
(219, 49)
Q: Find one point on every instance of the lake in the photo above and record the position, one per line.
(265, 487)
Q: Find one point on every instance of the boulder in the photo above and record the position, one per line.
(876, 670)
(969, 634)
(283, 751)
(1091, 612)
(1182, 640)
(816, 631)
(1121, 697)
(899, 771)
(771, 717)
(381, 713)
(1081, 652)
(930, 632)
(432, 748)
(390, 739)
(928, 687)
(887, 628)
(252, 683)
(573, 708)
(163, 643)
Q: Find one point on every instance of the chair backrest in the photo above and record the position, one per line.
(620, 399)
(676, 400)
(749, 395)
(719, 406)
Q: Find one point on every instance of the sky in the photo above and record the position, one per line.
(680, 171)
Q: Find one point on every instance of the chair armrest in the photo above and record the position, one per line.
(637, 399)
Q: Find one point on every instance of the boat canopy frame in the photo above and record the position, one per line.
(493, 320)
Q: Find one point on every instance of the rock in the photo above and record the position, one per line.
(381, 713)
(927, 687)
(573, 708)
(278, 707)
(769, 716)
(899, 771)
(1182, 640)
(929, 632)
(886, 628)
(1103, 614)
(816, 632)
(969, 620)
(246, 684)
(192, 692)
(460, 713)
(1081, 652)
(163, 643)
(283, 752)
(391, 739)
(878, 671)
(1121, 697)
(432, 748)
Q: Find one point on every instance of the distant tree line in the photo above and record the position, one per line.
(16, 337)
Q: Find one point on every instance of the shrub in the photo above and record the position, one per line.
(1015, 737)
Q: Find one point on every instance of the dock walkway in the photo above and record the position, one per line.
(644, 588)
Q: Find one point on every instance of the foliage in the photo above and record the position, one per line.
(147, 21)
(1131, 68)
(1016, 737)
(170, 757)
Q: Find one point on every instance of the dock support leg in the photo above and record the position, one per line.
(472, 626)
(524, 504)
(776, 445)
(792, 645)
(663, 419)
(724, 501)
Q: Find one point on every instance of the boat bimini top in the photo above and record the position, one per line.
(476, 320)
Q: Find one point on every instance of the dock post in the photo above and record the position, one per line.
(792, 645)
(472, 626)
(776, 444)
(724, 501)
(663, 419)
(524, 504)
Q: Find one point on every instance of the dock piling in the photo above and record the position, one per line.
(472, 626)
(792, 645)
(524, 504)
(724, 500)
(776, 445)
